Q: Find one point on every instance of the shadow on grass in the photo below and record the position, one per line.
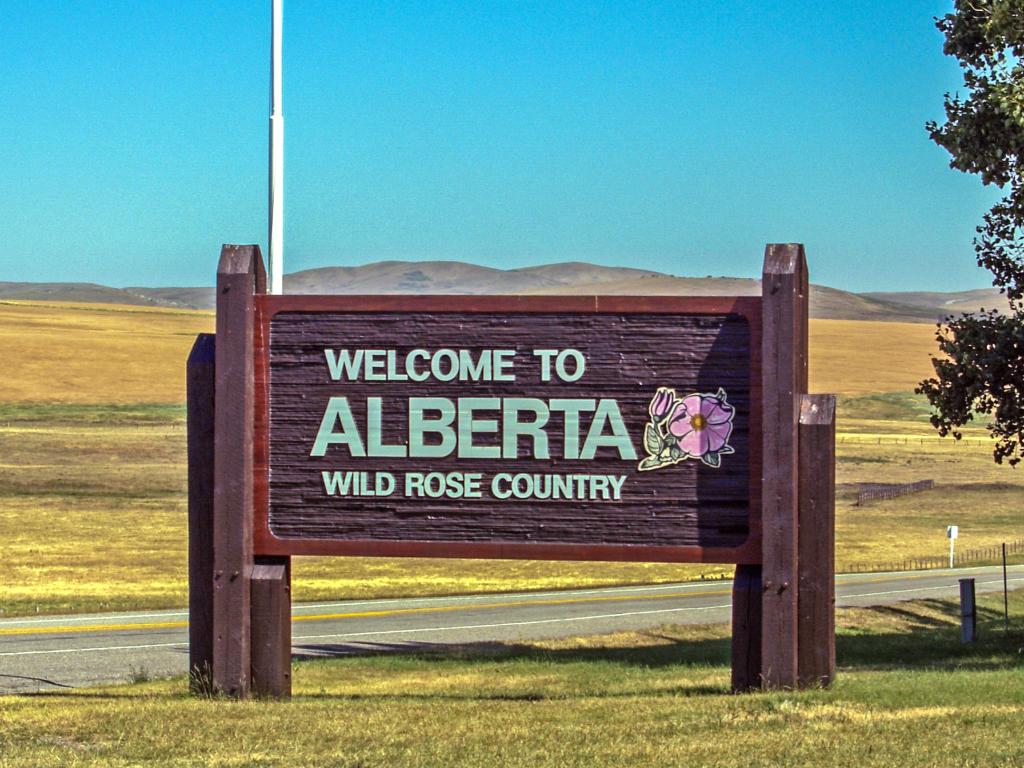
(666, 650)
(923, 634)
(680, 691)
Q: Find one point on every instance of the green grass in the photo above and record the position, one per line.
(891, 406)
(77, 415)
(907, 693)
(93, 506)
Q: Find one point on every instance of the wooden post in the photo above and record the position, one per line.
(784, 290)
(816, 559)
(746, 628)
(200, 386)
(240, 275)
(272, 628)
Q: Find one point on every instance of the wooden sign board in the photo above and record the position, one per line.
(509, 427)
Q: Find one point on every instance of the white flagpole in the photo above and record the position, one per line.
(276, 185)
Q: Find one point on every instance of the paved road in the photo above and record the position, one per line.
(50, 653)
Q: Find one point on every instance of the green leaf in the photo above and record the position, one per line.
(652, 440)
(712, 460)
(651, 462)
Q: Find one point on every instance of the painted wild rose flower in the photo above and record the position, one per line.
(701, 424)
(697, 426)
(661, 403)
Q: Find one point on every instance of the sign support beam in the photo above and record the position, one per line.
(240, 275)
(817, 619)
(200, 386)
(784, 305)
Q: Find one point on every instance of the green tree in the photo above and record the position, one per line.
(981, 367)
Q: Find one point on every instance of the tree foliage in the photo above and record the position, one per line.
(981, 367)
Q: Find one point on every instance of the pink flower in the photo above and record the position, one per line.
(701, 424)
(661, 403)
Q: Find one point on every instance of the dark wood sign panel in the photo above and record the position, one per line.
(510, 427)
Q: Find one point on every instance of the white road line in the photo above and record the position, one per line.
(917, 589)
(386, 631)
(588, 618)
(90, 650)
(475, 626)
(849, 578)
(93, 617)
(387, 600)
(510, 623)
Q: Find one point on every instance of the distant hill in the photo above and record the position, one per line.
(826, 303)
(451, 277)
(456, 277)
(90, 293)
(943, 304)
(184, 298)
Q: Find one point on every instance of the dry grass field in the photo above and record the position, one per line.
(859, 357)
(95, 353)
(908, 693)
(92, 473)
(115, 354)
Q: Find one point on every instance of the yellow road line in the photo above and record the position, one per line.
(363, 614)
(409, 611)
(92, 628)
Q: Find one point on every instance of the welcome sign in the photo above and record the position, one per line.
(643, 428)
(583, 428)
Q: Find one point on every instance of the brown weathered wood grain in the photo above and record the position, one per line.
(633, 347)
(200, 389)
(271, 628)
(784, 375)
(237, 276)
(746, 628)
(817, 646)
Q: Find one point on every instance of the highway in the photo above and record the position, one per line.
(60, 652)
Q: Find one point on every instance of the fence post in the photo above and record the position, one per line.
(1006, 595)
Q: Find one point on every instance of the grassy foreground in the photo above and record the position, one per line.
(907, 694)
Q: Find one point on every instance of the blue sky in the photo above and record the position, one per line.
(677, 136)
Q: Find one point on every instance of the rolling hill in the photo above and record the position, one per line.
(943, 304)
(454, 277)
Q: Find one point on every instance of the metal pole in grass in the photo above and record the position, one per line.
(1006, 595)
(968, 612)
(276, 185)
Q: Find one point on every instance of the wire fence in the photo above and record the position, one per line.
(977, 556)
(893, 491)
(932, 441)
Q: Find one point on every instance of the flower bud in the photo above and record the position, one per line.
(661, 404)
